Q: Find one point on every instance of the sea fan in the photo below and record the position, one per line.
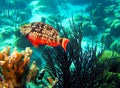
(75, 68)
(86, 72)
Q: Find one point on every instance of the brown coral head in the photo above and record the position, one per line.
(25, 29)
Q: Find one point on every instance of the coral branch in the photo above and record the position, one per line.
(13, 67)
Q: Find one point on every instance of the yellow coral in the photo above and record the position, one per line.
(13, 66)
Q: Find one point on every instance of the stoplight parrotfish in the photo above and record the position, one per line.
(39, 33)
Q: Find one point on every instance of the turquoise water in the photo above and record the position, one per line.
(91, 58)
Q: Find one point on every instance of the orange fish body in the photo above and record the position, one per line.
(41, 34)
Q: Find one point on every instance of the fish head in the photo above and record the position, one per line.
(25, 29)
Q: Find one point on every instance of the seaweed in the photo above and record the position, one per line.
(77, 67)
(86, 71)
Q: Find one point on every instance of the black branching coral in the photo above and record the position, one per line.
(85, 73)
(76, 68)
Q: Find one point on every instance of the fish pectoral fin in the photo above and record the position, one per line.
(35, 45)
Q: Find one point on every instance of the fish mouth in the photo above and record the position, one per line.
(25, 29)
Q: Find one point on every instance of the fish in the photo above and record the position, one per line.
(39, 33)
(52, 82)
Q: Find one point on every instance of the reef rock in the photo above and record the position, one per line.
(89, 29)
(115, 28)
(107, 21)
(106, 38)
(109, 10)
(113, 58)
(115, 46)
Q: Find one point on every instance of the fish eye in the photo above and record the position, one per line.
(24, 27)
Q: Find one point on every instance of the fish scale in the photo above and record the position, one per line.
(45, 30)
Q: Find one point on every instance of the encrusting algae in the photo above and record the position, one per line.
(13, 67)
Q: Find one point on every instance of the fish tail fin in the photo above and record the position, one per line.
(64, 42)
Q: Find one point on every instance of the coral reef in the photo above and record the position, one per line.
(115, 45)
(14, 67)
(45, 6)
(89, 29)
(109, 10)
(105, 15)
(107, 21)
(106, 38)
(14, 11)
(108, 54)
(115, 26)
(96, 15)
(113, 72)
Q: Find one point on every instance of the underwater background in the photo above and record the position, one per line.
(91, 58)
